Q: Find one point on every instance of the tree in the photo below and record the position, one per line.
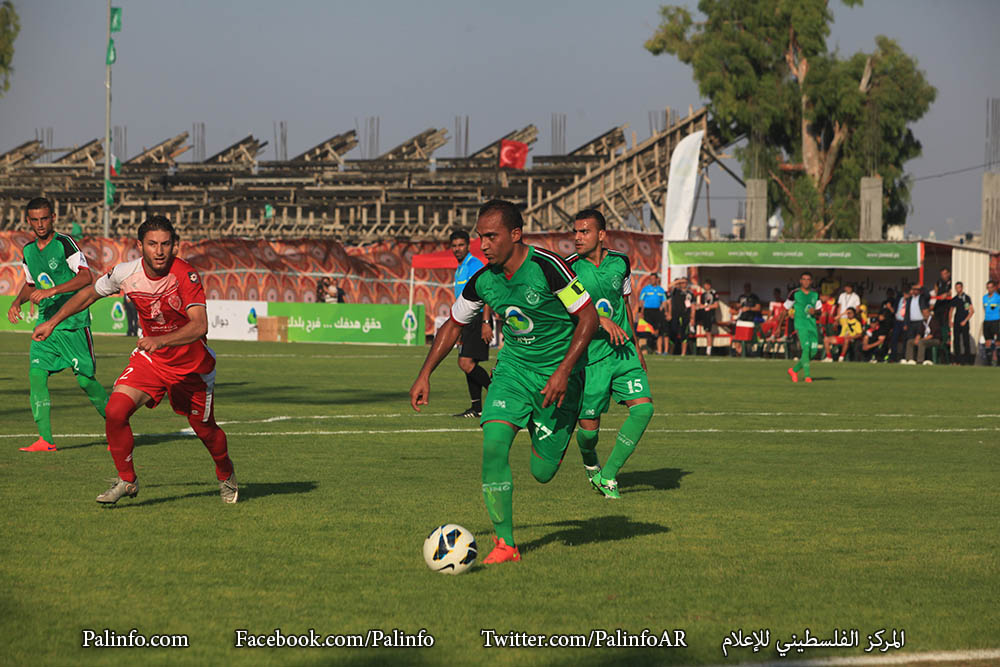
(9, 27)
(814, 123)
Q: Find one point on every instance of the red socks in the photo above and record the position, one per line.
(215, 441)
(120, 407)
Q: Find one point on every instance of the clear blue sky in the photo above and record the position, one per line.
(238, 66)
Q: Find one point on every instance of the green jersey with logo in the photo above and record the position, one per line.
(607, 284)
(801, 302)
(535, 303)
(58, 262)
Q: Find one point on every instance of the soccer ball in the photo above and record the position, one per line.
(450, 549)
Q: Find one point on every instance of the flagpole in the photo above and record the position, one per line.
(107, 129)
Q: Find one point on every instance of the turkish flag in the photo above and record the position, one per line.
(513, 154)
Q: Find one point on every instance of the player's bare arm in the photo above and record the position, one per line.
(445, 339)
(14, 312)
(196, 328)
(615, 332)
(487, 329)
(83, 278)
(586, 326)
(82, 299)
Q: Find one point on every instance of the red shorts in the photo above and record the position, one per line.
(190, 393)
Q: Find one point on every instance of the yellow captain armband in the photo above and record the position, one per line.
(574, 296)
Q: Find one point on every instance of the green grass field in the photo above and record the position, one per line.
(867, 500)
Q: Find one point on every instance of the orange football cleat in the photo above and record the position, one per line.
(39, 445)
(502, 553)
(791, 373)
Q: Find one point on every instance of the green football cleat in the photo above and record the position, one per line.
(229, 490)
(591, 471)
(119, 488)
(606, 487)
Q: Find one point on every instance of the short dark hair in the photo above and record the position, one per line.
(39, 202)
(806, 273)
(959, 283)
(706, 281)
(459, 234)
(510, 214)
(990, 282)
(158, 223)
(593, 214)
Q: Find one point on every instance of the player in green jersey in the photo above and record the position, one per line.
(615, 365)
(54, 270)
(548, 320)
(804, 302)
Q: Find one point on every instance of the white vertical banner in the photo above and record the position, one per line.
(682, 190)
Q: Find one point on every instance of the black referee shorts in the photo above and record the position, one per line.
(657, 319)
(473, 345)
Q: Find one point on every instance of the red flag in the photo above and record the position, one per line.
(513, 154)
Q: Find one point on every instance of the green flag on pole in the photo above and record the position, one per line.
(112, 54)
(116, 19)
(109, 193)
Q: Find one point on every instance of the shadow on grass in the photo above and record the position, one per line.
(140, 440)
(574, 532)
(663, 479)
(248, 492)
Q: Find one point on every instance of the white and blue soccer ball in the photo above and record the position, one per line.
(450, 549)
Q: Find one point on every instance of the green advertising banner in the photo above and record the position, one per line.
(352, 322)
(107, 316)
(800, 254)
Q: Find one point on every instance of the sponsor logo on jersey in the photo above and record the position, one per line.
(53, 263)
(604, 308)
(174, 302)
(531, 296)
(615, 282)
(499, 404)
(45, 281)
(192, 276)
(518, 321)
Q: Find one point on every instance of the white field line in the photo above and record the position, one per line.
(187, 432)
(900, 659)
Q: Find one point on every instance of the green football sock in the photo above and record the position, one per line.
(628, 437)
(41, 404)
(804, 358)
(498, 483)
(95, 392)
(587, 440)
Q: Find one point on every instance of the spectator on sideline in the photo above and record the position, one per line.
(679, 315)
(847, 299)
(889, 304)
(941, 296)
(874, 346)
(829, 285)
(653, 298)
(748, 305)
(991, 321)
(899, 325)
(850, 334)
(960, 312)
(914, 306)
(705, 310)
(775, 313)
(929, 336)
(827, 315)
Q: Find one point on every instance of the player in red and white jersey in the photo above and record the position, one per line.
(171, 359)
